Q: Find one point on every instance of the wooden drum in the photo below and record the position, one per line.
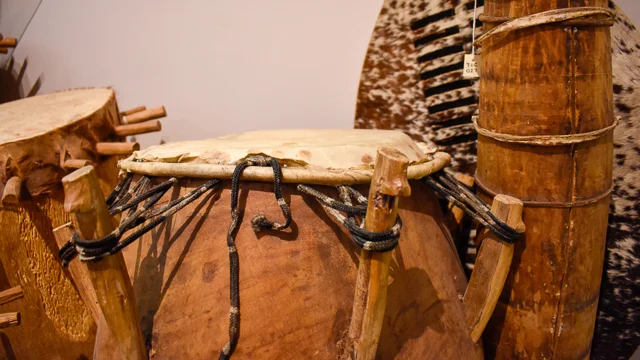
(296, 285)
(43, 138)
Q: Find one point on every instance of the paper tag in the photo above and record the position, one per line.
(471, 66)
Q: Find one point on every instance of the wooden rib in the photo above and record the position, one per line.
(491, 267)
(139, 128)
(75, 163)
(79, 273)
(133, 111)
(8, 42)
(9, 319)
(9, 295)
(148, 114)
(9, 66)
(388, 183)
(117, 148)
(12, 191)
(109, 276)
(35, 88)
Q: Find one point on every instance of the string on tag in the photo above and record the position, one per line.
(473, 29)
(471, 69)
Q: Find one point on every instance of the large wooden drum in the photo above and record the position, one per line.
(41, 139)
(297, 285)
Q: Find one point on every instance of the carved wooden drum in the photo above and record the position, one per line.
(296, 285)
(42, 139)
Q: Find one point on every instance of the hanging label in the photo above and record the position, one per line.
(471, 66)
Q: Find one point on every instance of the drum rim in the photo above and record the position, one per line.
(292, 175)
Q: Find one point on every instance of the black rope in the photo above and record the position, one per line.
(450, 189)
(93, 250)
(258, 223)
(373, 241)
(120, 189)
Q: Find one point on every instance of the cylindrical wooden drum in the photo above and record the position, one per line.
(547, 139)
(42, 139)
(297, 285)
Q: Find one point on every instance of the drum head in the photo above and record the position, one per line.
(310, 156)
(38, 115)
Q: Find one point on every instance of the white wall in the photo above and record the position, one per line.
(14, 17)
(218, 66)
(632, 9)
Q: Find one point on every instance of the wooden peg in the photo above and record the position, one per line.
(117, 148)
(84, 198)
(389, 182)
(145, 115)
(12, 191)
(9, 319)
(133, 111)
(8, 42)
(9, 295)
(79, 273)
(4, 50)
(491, 268)
(139, 128)
(75, 164)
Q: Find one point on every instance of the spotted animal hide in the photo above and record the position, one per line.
(412, 82)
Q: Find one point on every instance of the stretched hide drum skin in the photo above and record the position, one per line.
(296, 286)
(36, 135)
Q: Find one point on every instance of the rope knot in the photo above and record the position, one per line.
(261, 223)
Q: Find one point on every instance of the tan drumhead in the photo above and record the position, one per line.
(34, 116)
(311, 156)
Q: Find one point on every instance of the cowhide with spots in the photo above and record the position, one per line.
(412, 82)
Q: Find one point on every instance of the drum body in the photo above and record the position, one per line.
(37, 134)
(297, 285)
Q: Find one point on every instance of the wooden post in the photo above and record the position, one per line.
(8, 42)
(9, 319)
(9, 295)
(79, 273)
(145, 115)
(139, 128)
(117, 148)
(133, 111)
(492, 267)
(388, 183)
(12, 191)
(550, 82)
(109, 276)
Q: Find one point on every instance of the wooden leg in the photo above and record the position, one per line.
(492, 267)
(388, 183)
(109, 276)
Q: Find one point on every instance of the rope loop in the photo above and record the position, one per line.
(547, 17)
(367, 240)
(94, 250)
(450, 189)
